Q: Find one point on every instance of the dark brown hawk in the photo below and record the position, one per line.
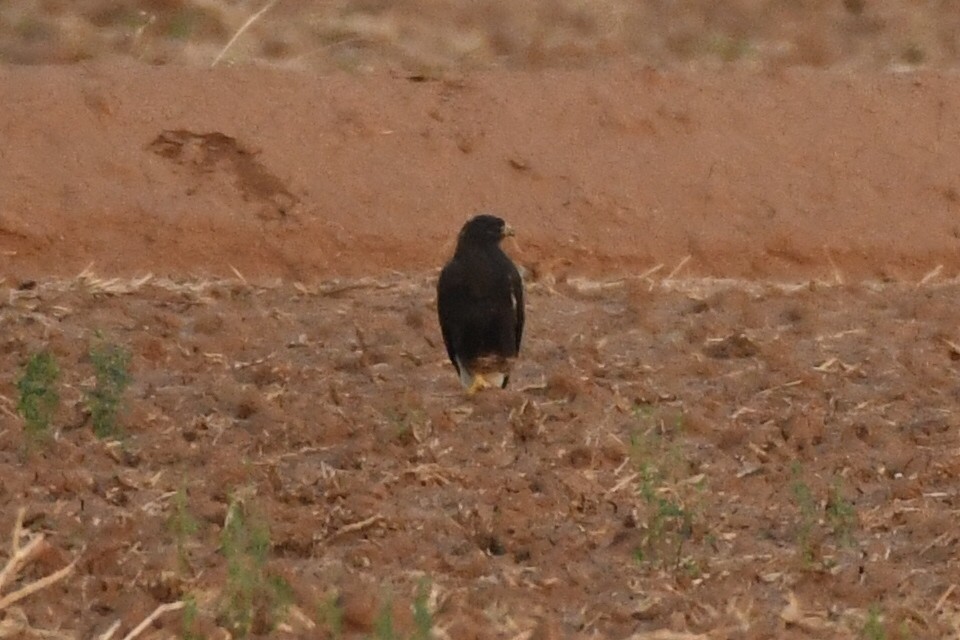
(480, 305)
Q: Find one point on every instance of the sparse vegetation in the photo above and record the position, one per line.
(111, 366)
(456, 34)
(699, 491)
(330, 616)
(406, 424)
(807, 506)
(840, 516)
(39, 397)
(188, 625)
(421, 612)
(873, 627)
(182, 24)
(669, 521)
(383, 626)
(253, 599)
(184, 526)
(423, 620)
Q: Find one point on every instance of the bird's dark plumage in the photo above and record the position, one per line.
(480, 305)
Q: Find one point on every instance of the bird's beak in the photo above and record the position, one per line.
(508, 231)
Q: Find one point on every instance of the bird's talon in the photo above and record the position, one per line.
(478, 384)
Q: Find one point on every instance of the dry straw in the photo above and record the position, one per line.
(246, 25)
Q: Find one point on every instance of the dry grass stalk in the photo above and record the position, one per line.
(39, 585)
(356, 526)
(239, 275)
(943, 599)
(432, 472)
(21, 555)
(668, 634)
(159, 611)
(837, 275)
(112, 629)
(5, 405)
(679, 267)
(246, 25)
(621, 484)
(650, 272)
(585, 286)
(16, 554)
(935, 272)
(112, 286)
(16, 625)
(779, 387)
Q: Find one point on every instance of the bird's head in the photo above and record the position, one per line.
(484, 229)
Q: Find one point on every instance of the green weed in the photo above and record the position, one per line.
(423, 621)
(183, 24)
(841, 515)
(183, 526)
(188, 623)
(383, 625)
(873, 627)
(803, 497)
(331, 617)
(421, 612)
(111, 364)
(406, 420)
(253, 600)
(38, 395)
(669, 521)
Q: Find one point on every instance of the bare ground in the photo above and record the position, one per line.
(733, 460)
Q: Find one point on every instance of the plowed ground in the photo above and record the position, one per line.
(678, 458)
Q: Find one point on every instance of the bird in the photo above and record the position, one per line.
(480, 305)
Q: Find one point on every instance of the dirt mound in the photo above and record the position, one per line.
(189, 171)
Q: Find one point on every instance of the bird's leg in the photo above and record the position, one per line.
(479, 383)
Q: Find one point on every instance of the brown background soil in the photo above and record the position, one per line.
(791, 175)
(688, 449)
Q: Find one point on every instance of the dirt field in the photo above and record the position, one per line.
(715, 459)
(734, 415)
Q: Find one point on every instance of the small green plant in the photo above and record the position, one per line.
(252, 597)
(669, 525)
(331, 616)
(669, 522)
(183, 23)
(838, 523)
(189, 620)
(111, 364)
(383, 625)
(183, 526)
(406, 420)
(841, 515)
(421, 612)
(873, 627)
(38, 394)
(803, 497)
